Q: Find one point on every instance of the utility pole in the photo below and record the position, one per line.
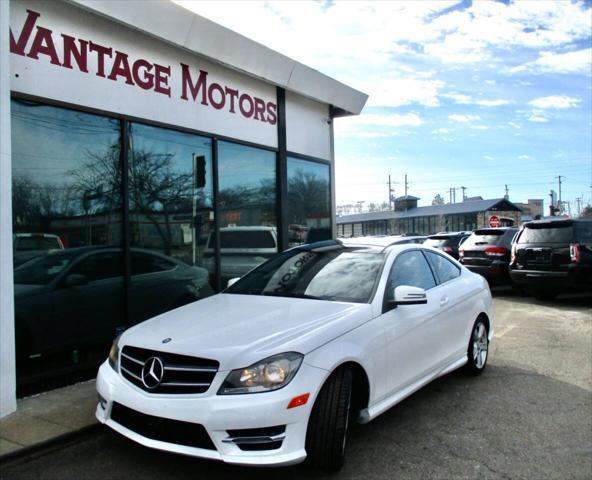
(559, 202)
(406, 185)
(579, 205)
(391, 191)
(507, 195)
(551, 206)
(453, 194)
(464, 197)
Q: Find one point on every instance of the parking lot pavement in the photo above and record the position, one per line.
(528, 416)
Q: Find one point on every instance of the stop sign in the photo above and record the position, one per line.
(494, 221)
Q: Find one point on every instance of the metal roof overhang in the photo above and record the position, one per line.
(178, 26)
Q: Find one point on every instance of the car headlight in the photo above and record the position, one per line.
(114, 354)
(268, 374)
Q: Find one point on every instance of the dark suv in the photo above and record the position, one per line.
(487, 252)
(447, 241)
(553, 256)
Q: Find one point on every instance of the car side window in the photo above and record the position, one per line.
(444, 268)
(100, 266)
(410, 268)
(146, 263)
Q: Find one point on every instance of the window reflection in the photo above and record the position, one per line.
(66, 200)
(309, 202)
(170, 185)
(247, 205)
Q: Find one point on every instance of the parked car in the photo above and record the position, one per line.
(553, 256)
(27, 246)
(241, 249)
(448, 242)
(272, 370)
(487, 252)
(74, 298)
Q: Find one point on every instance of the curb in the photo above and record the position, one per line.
(49, 445)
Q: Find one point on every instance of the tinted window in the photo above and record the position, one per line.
(339, 275)
(412, 269)
(36, 243)
(100, 266)
(309, 202)
(247, 198)
(171, 209)
(244, 239)
(42, 270)
(146, 263)
(484, 237)
(445, 269)
(560, 233)
(584, 232)
(438, 241)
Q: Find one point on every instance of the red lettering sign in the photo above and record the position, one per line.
(80, 54)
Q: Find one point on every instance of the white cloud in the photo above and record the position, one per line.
(390, 120)
(488, 157)
(524, 157)
(468, 100)
(515, 125)
(537, 119)
(479, 127)
(396, 92)
(555, 101)
(441, 131)
(579, 62)
(463, 118)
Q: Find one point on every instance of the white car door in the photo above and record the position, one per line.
(454, 311)
(413, 332)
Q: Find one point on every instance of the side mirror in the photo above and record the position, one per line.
(75, 280)
(232, 281)
(406, 295)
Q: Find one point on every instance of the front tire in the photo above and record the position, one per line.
(478, 350)
(327, 426)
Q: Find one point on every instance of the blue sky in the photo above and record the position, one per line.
(474, 94)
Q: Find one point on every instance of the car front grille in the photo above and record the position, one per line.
(181, 373)
(162, 429)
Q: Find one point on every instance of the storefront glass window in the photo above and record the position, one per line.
(67, 214)
(309, 202)
(247, 208)
(171, 216)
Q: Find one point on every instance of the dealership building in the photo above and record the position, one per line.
(147, 156)
(409, 219)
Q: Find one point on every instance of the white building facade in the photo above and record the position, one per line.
(147, 155)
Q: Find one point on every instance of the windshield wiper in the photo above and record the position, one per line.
(290, 295)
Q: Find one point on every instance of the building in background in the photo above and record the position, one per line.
(146, 152)
(531, 210)
(409, 219)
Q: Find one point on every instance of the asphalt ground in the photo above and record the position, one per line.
(529, 415)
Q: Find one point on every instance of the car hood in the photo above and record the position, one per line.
(238, 330)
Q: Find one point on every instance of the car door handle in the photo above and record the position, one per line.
(444, 301)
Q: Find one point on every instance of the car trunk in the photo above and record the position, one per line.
(485, 246)
(545, 247)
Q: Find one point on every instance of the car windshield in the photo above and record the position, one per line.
(42, 270)
(541, 233)
(36, 243)
(337, 274)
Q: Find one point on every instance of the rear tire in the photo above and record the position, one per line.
(478, 350)
(328, 423)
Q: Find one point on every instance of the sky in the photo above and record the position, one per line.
(477, 94)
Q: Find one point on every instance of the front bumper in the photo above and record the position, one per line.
(218, 414)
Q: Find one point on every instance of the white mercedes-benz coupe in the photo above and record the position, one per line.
(273, 369)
